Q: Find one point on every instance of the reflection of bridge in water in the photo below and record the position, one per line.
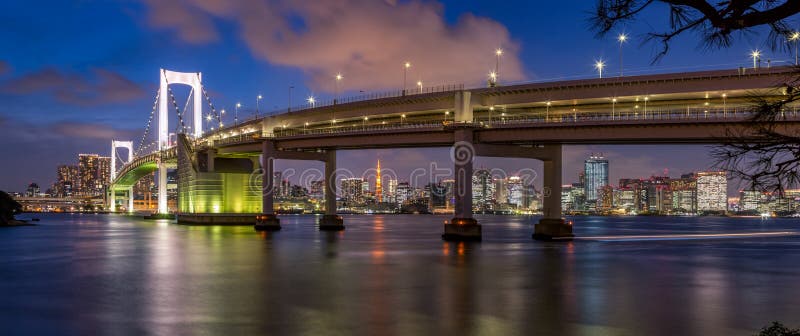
(523, 121)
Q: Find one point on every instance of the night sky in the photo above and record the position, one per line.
(76, 74)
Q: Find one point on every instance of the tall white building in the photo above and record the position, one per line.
(390, 194)
(712, 191)
(595, 170)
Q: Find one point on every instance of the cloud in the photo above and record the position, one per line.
(32, 151)
(4, 68)
(366, 40)
(102, 87)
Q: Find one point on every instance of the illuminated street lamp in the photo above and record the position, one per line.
(492, 79)
(419, 86)
(621, 38)
(365, 122)
(236, 114)
(446, 113)
(222, 113)
(756, 54)
(613, 107)
(258, 99)
(497, 53)
(599, 65)
(406, 65)
(402, 118)
(336, 87)
(795, 37)
(724, 105)
(547, 111)
(311, 101)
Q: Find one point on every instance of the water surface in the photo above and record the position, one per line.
(392, 275)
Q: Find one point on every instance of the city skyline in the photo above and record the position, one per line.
(92, 91)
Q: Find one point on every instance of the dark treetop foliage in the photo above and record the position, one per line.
(714, 21)
(766, 153)
(8, 208)
(778, 329)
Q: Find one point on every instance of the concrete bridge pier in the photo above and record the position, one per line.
(267, 220)
(462, 227)
(162, 187)
(130, 200)
(112, 200)
(552, 225)
(330, 221)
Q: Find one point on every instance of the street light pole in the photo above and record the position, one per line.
(258, 99)
(794, 38)
(622, 38)
(756, 54)
(406, 65)
(613, 107)
(599, 66)
(497, 53)
(236, 114)
(336, 88)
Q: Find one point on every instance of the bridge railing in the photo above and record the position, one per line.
(677, 114)
(252, 114)
(358, 128)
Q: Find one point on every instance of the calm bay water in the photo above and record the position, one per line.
(392, 275)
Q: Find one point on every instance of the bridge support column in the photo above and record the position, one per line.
(267, 220)
(112, 200)
(462, 227)
(552, 226)
(130, 200)
(162, 188)
(330, 221)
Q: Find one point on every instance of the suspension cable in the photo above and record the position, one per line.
(214, 112)
(148, 125)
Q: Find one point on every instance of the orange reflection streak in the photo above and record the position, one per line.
(461, 248)
(446, 248)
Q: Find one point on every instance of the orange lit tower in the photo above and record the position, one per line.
(378, 189)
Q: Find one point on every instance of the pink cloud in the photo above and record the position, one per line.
(366, 40)
(103, 87)
(4, 68)
(90, 131)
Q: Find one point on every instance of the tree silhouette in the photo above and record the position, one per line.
(8, 208)
(765, 153)
(714, 21)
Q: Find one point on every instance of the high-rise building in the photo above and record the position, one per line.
(33, 190)
(391, 192)
(482, 190)
(353, 190)
(684, 194)
(605, 198)
(515, 192)
(403, 193)
(712, 191)
(317, 189)
(103, 174)
(87, 171)
(450, 196)
(67, 181)
(595, 170)
(752, 200)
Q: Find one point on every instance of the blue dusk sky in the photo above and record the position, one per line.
(75, 74)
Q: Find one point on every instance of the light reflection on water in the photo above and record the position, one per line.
(392, 275)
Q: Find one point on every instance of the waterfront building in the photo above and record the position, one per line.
(712, 191)
(596, 176)
(482, 190)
